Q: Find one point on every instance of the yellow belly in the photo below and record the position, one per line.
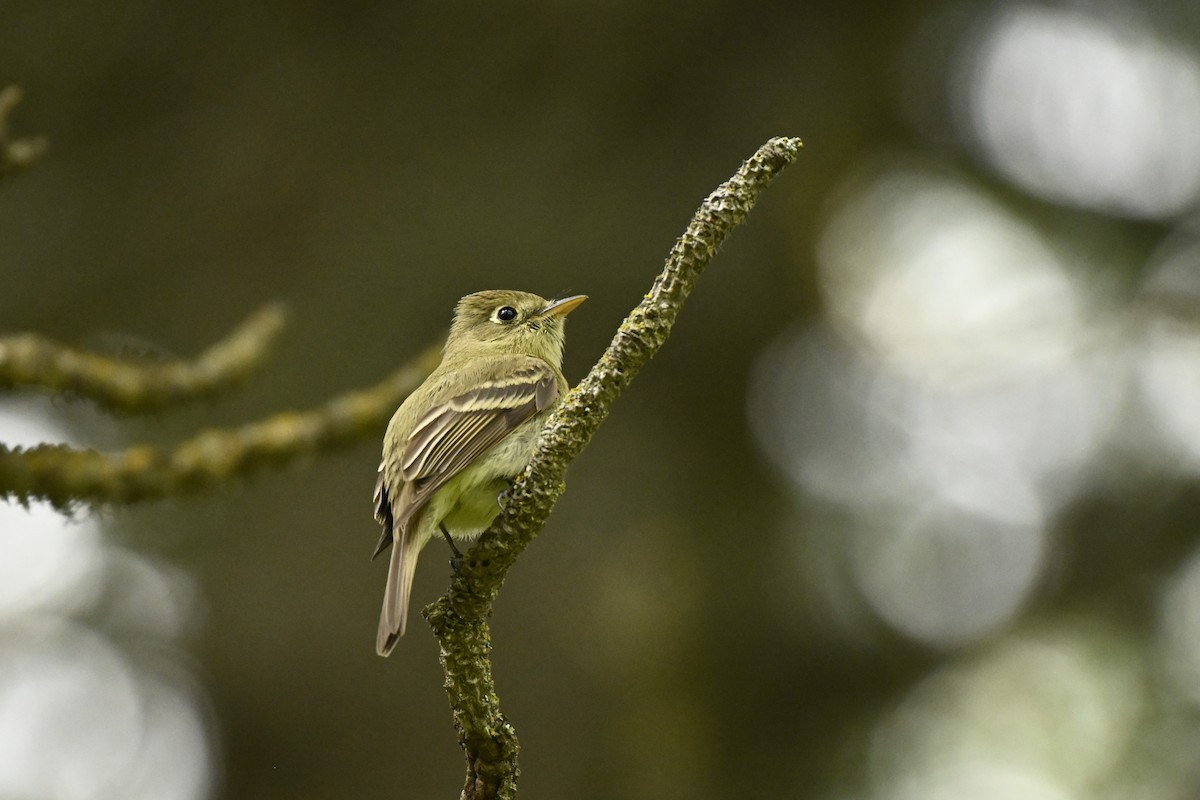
(467, 504)
(469, 508)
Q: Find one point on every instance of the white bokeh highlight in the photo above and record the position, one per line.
(945, 572)
(45, 561)
(991, 375)
(1085, 109)
(80, 718)
(1052, 713)
(959, 398)
(940, 279)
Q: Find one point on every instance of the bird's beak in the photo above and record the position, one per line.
(560, 308)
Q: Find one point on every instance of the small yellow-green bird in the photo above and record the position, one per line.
(455, 443)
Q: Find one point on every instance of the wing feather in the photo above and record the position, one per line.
(452, 434)
(383, 513)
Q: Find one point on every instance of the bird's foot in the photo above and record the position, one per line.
(456, 560)
(502, 495)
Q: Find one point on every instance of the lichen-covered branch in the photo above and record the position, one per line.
(32, 360)
(16, 154)
(460, 618)
(66, 476)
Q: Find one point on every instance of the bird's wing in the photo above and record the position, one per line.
(454, 433)
(383, 512)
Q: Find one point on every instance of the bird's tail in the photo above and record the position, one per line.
(394, 617)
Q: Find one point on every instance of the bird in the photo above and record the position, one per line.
(456, 442)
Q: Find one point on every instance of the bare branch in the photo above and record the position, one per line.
(32, 360)
(65, 476)
(460, 618)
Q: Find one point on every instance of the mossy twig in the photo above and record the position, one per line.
(460, 618)
(32, 360)
(67, 476)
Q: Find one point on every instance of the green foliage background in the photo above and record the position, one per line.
(370, 163)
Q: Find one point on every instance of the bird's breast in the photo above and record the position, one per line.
(468, 503)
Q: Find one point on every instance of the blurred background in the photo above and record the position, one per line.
(908, 507)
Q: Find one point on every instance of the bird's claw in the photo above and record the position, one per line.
(457, 559)
(502, 497)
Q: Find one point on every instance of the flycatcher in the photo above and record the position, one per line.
(455, 443)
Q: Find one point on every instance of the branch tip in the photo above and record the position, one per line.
(130, 386)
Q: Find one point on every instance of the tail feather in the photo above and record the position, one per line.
(394, 617)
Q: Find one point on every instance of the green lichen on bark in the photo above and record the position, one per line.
(459, 618)
(31, 360)
(67, 476)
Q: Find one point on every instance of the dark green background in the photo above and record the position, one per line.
(370, 163)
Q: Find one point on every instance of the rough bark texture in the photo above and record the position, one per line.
(29, 359)
(67, 476)
(460, 618)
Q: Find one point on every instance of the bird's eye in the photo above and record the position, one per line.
(506, 314)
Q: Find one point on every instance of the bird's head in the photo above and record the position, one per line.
(506, 321)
